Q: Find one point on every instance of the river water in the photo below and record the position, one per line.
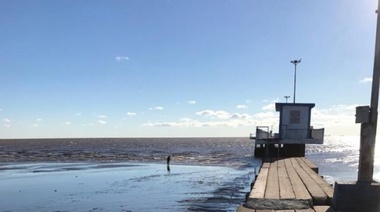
(130, 174)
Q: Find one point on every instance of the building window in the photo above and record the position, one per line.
(295, 117)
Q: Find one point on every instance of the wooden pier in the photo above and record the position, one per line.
(289, 185)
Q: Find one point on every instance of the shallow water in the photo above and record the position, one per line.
(338, 158)
(121, 187)
(124, 174)
(207, 174)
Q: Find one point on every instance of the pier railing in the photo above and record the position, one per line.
(303, 134)
(317, 133)
(262, 132)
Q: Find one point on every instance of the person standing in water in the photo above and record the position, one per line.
(167, 162)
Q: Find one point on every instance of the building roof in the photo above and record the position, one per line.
(280, 105)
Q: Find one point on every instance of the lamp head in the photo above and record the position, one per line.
(295, 62)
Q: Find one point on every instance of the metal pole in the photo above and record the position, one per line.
(287, 97)
(295, 83)
(368, 130)
(295, 62)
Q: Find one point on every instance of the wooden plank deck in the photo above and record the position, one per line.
(298, 187)
(319, 197)
(289, 185)
(311, 164)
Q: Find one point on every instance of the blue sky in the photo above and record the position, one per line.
(171, 68)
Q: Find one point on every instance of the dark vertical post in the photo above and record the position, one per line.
(368, 130)
(295, 82)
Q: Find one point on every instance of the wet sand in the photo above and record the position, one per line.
(104, 174)
(120, 187)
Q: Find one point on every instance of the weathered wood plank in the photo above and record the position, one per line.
(299, 188)
(276, 204)
(327, 188)
(258, 190)
(318, 195)
(265, 165)
(281, 163)
(272, 190)
(305, 210)
(286, 189)
(323, 208)
(241, 208)
(311, 165)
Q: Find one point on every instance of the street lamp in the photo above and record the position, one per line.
(295, 62)
(287, 97)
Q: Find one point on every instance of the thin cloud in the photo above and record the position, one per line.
(119, 58)
(87, 125)
(7, 122)
(240, 116)
(221, 118)
(241, 106)
(181, 123)
(223, 115)
(67, 123)
(187, 123)
(35, 125)
(219, 114)
(265, 115)
(271, 101)
(131, 114)
(159, 124)
(270, 106)
(102, 116)
(102, 122)
(39, 120)
(366, 80)
(191, 102)
(157, 108)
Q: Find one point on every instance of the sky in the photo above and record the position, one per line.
(178, 68)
